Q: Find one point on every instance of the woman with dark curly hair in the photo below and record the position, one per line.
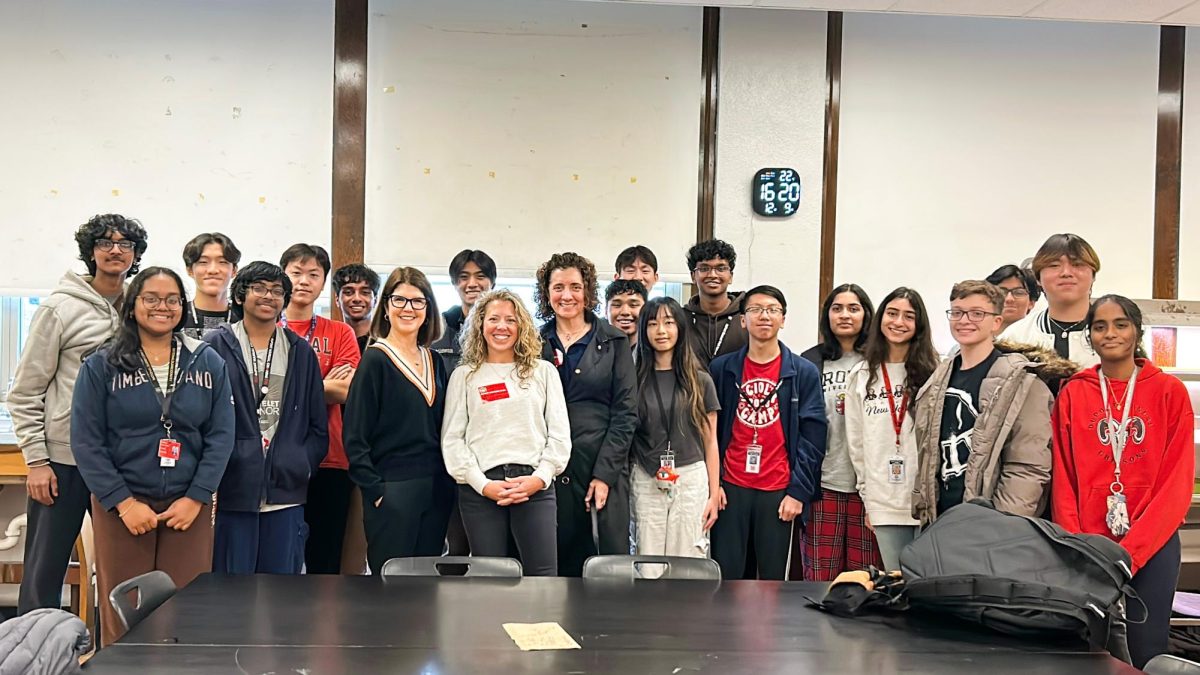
(76, 319)
(596, 367)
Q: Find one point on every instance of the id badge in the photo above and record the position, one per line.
(896, 470)
(1117, 517)
(667, 461)
(168, 451)
(753, 458)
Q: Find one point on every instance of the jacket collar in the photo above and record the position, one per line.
(735, 366)
(604, 331)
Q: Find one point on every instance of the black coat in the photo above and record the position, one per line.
(448, 345)
(601, 403)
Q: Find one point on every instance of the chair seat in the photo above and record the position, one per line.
(650, 567)
(452, 565)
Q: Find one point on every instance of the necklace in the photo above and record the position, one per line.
(1065, 329)
(1116, 398)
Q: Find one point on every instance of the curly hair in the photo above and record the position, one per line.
(708, 250)
(528, 349)
(95, 229)
(566, 261)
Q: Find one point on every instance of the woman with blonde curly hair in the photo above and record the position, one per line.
(506, 435)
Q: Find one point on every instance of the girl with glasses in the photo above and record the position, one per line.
(393, 425)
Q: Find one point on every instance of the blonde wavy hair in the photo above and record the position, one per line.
(528, 349)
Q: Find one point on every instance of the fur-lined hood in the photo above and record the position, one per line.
(1045, 363)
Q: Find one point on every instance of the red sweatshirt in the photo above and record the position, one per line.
(1158, 464)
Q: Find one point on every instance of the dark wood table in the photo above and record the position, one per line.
(334, 624)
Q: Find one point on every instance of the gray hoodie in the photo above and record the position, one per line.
(67, 326)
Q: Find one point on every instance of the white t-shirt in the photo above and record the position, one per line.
(837, 471)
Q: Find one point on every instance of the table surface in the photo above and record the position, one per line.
(333, 624)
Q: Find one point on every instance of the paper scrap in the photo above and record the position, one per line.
(536, 636)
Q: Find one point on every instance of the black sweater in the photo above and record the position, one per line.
(389, 431)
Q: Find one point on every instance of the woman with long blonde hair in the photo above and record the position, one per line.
(506, 435)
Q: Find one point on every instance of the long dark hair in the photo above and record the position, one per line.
(125, 347)
(922, 358)
(684, 363)
(1132, 312)
(831, 348)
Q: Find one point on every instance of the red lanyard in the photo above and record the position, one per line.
(897, 420)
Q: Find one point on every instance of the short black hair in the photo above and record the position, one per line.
(258, 271)
(195, 248)
(707, 250)
(305, 252)
(355, 273)
(633, 254)
(485, 262)
(1025, 276)
(624, 287)
(764, 289)
(95, 229)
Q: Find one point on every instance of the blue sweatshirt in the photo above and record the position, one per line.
(301, 439)
(116, 426)
(801, 411)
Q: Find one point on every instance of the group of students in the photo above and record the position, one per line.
(241, 432)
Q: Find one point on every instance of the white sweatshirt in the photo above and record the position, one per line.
(494, 418)
(871, 438)
(1036, 329)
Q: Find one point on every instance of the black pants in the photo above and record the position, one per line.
(410, 521)
(325, 512)
(575, 543)
(532, 524)
(50, 537)
(1155, 583)
(456, 533)
(751, 516)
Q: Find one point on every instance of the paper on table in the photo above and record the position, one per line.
(533, 636)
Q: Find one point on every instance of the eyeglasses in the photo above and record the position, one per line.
(107, 244)
(152, 301)
(399, 301)
(755, 310)
(1017, 293)
(719, 269)
(267, 291)
(973, 315)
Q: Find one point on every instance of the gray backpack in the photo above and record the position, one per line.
(1019, 575)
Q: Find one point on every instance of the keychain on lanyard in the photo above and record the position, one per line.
(895, 469)
(312, 328)
(1117, 517)
(666, 474)
(263, 380)
(169, 449)
(754, 450)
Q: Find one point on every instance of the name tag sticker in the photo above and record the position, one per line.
(493, 392)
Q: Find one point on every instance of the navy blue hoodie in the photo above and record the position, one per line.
(801, 410)
(116, 426)
(301, 439)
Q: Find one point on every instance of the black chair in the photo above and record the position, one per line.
(452, 566)
(1164, 664)
(153, 589)
(645, 567)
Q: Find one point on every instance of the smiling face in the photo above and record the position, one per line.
(357, 301)
(566, 293)
(162, 292)
(1066, 281)
(662, 331)
(264, 301)
(500, 326)
(471, 284)
(623, 311)
(212, 271)
(406, 319)
(899, 324)
(713, 276)
(308, 280)
(967, 332)
(1114, 335)
(763, 317)
(846, 315)
(1017, 302)
(639, 270)
(116, 261)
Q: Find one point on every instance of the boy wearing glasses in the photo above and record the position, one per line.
(76, 319)
(211, 260)
(1020, 290)
(280, 430)
(771, 432)
(716, 316)
(330, 490)
(983, 418)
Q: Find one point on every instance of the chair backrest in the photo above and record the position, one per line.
(152, 589)
(451, 566)
(1165, 664)
(650, 567)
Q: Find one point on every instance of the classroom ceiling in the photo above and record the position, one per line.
(1170, 12)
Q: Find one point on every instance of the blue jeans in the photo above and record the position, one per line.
(249, 542)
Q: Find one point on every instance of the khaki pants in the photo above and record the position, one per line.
(671, 522)
(121, 556)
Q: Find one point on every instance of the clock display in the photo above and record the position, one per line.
(775, 193)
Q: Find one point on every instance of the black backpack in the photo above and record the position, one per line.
(1019, 575)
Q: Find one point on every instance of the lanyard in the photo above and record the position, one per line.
(262, 380)
(897, 419)
(312, 327)
(1118, 437)
(670, 421)
(164, 394)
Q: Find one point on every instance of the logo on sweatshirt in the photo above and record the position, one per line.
(1135, 431)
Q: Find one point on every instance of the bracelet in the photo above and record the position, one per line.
(122, 514)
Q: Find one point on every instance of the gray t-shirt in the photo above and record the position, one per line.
(837, 473)
(256, 360)
(650, 440)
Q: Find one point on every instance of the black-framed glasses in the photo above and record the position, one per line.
(755, 310)
(399, 301)
(973, 315)
(1018, 293)
(108, 244)
(708, 269)
(152, 301)
(267, 291)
